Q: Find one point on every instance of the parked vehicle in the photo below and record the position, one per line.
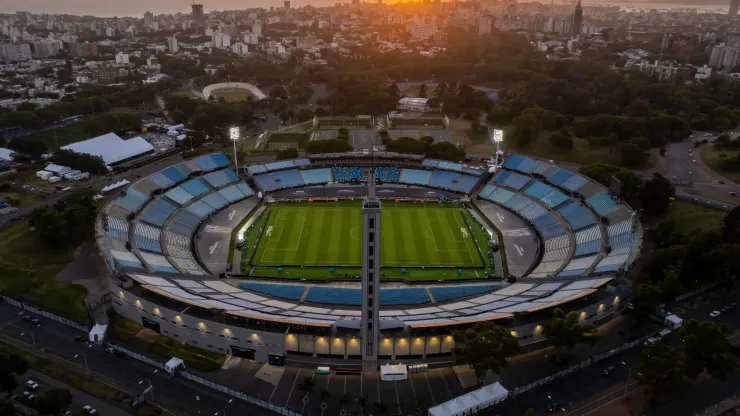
(31, 384)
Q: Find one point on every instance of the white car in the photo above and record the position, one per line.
(89, 410)
(651, 341)
(32, 384)
(715, 314)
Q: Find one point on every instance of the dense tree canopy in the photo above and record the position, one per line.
(706, 349)
(662, 369)
(485, 348)
(565, 331)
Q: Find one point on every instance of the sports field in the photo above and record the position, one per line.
(330, 235)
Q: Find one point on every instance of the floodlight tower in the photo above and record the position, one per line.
(497, 136)
(234, 134)
(370, 277)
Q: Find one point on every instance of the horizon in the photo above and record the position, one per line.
(137, 8)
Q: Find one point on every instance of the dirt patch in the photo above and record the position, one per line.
(87, 264)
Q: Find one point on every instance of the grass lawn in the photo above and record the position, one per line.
(301, 139)
(23, 198)
(195, 357)
(28, 269)
(61, 136)
(232, 95)
(330, 235)
(124, 328)
(690, 218)
(713, 158)
(387, 273)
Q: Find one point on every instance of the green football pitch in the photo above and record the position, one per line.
(330, 235)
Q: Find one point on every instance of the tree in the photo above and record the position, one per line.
(423, 90)
(278, 91)
(7, 409)
(79, 161)
(646, 299)
(116, 122)
(32, 147)
(328, 146)
(286, 154)
(304, 115)
(530, 412)
(564, 331)
(662, 370)
(53, 401)
(561, 140)
(657, 195)
(25, 119)
(731, 226)
(706, 349)
(7, 382)
(472, 115)
(393, 91)
(324, 395)
(485, 348)
(671, 285)
(631, 155)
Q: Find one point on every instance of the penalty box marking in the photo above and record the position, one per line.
(281, 228)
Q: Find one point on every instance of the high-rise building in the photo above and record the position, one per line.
(286, 4)
(83, 49)
(257, 29)
(370, 323)
(45, 48)
(13, 52)
(197, 12)
(734, 6)
(122, 58)
(105, 74)
(172, 44)
(148, 18)
(577, 20)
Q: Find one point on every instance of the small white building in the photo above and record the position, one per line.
(122, 58)
(703, 73)
(419, 105)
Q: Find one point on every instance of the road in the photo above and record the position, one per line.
(55, 340)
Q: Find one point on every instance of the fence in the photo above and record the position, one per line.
(696, 292)
(239, 395)
(698, 200)
(583, 364)
(215, 386)
(45, 314)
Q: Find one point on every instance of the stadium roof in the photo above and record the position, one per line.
(6, 154)
(111, 147)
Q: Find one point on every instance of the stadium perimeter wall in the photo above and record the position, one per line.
(349, 191)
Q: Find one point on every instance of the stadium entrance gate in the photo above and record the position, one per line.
(242, 352)
(148, 323)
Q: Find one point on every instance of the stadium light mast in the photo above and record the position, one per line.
(234, 133)
(370, 324)
(497, 136)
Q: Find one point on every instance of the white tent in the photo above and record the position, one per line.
(97, 333)
(393, 372)
(468, 403)
(173, 364)
(122, 182)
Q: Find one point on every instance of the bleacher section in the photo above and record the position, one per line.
(316, 176)
(556, 253)
(178, 195)
(455, 167)
(576, 215)
(195, 187)
(588, 241)
(279, 180)
(211, 162)
(512, 180)
(158, 211)
(388, 174)
(283, 164)
(602, 203)
(453, 181)
(521, 163)
(447, 293)
(415, 176)
(147, 237)
(131, 200)
(293, 292)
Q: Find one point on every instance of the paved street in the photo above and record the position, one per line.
(55, 340)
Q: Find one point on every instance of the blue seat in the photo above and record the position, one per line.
(537, 189)
(145, 243)
(302, 162)
(161, 180)
(576, 215)
(388, 174)
(312, 176)
(206, 163)
(174, 174)
(220, 178)
(502, 176)
(216, 200)
(443, 294)
(513, 161)
(554, 198)
(220, 160)
(559, 177)
(413, 296)
(516, 181)
(131, 201)
(292, 292)
(200, 209)
(415, 176)
(501, 196)
(444, 179)
(178, 195)
(587, 248)
(195, 187)
(158, 212)
(341, 174)
(334, 295)
(232, 193)
(602, 203)
(246, 190)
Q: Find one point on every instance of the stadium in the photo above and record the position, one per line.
(265, 263)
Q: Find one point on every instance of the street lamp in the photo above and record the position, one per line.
(84, 357)
(234, 133)
(224, 410)
(32, 338)
(497, 136)
(629, 375)
(149, 380)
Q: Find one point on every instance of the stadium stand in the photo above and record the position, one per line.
(388, 174)
(162, 181)
(283, 164)
(158, 262)
(537, 190)
(447, 293)
(117, 228)
(220, 178)
(246, 190)
(404, 296)
(554, 198)
(453, 181)
(195, 187)
(215, 200)
(232, 193)
(314, 176)
(294, 292)
(131, 201)
(588, 241)
(174, 174)
(279, 180)
(602, 203)
(512, 180)
(178, 195)
(415, 176)
(158, 211)
(200, 209)
(147, 237)
(576, 215)
(126, 259)
(334, 295)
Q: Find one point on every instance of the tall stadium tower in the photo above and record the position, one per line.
(370, 277)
